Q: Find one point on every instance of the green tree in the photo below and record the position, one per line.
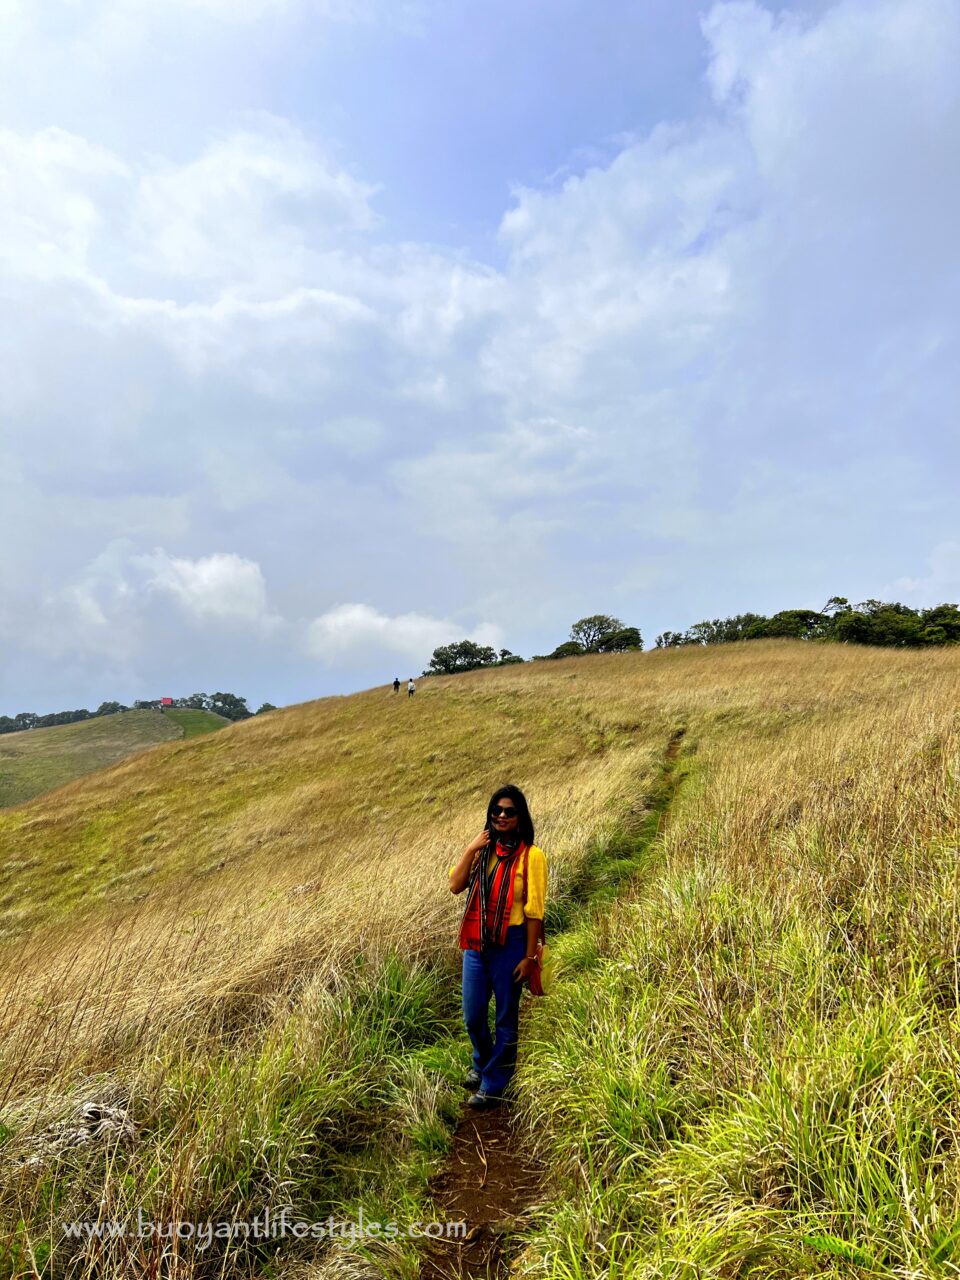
(62, 717)
(620, 641)
(266, 706)
(589, 632)
(230, 706)
(110, 708)
(705, 633)
(671, 639)
(835, 605)
(569, 649)
(740, 627)
(801, 624)
(874, 622)
(196, 702)
(944, 620)
(463, 655)
(507, 658)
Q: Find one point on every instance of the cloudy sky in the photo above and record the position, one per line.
(332, 330)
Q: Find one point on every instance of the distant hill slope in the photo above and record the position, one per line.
(39, 760)
(194, 723)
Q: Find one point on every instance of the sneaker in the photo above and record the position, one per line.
(483, 1101)
(472, 1080)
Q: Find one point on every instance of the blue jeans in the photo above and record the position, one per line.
(492, 971)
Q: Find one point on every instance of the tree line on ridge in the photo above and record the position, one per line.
(228, 705)
(872, 622)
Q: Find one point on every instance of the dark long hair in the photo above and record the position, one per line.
(524, 821)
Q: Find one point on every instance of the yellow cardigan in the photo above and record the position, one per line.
(536, 886)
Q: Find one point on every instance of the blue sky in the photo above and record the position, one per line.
(331, 330)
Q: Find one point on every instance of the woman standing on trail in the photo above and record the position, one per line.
(505, 875)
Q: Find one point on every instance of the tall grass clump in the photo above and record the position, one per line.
(269, 1122)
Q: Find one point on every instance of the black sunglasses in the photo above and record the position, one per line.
(498, 811)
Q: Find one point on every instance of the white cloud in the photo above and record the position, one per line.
(97, 613)
(254, 210)
(153, 64)
(350, 632)
(501, 496)
(222, 586)
(253, 206)
(764, 287)
(112, 606)
(54, 190)
(722, 359)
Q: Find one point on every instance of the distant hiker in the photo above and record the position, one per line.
(411, 688)
(396, 684)
(505, 876)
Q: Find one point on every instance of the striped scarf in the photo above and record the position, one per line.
(484, 928)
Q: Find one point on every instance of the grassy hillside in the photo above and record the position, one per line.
(244, 945)
(38, 760)
(193, 722)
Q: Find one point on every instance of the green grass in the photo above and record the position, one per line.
(736, 1080)
(194, 722)
(39, 760)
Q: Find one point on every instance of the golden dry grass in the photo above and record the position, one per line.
(279, 844)
(327, 827)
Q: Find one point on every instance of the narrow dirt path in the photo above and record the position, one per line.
(669, 780)
(488, 1180)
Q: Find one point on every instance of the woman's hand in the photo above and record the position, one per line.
(460, 875)
(524, 969)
